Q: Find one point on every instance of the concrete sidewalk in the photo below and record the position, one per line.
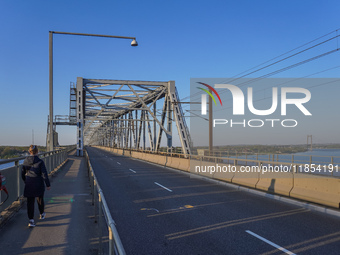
(69, 226)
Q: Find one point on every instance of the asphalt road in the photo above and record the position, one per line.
(160, 211)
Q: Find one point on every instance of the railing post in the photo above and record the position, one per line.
(95, 194)
(111, 242)
(92, 187)
(332, 164)
(201, 162)
(60, 157)
(53, 160)
(18, 177)
(100, 222)
(50, 162)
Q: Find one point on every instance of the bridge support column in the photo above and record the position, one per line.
(80, 117)
(170, 118)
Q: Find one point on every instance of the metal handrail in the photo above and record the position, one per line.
(43, 154)
(271, 157)
(115, 243)
(15, 186)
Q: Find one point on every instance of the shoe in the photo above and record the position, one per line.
(42, 216)
(31, 224)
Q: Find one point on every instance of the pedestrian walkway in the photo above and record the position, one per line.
(69, 226)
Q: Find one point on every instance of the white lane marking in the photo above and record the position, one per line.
(149, 209)
(132, 170)
(118, 163)
(160, 185)
(271, 243)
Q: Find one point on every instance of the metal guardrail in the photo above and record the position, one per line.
(14, 183)
(100, 208)
(329, 167)
(171, 154)
(274, 157)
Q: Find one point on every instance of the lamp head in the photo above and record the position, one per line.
(134, 43)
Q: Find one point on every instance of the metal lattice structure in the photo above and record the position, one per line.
(123, 114)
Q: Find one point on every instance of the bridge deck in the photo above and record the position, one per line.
(159, 211)
(69, 226)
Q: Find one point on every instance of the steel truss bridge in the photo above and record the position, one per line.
(123, 114)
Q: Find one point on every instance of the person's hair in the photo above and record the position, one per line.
(33, 149)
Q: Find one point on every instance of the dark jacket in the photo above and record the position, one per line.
(34, 175)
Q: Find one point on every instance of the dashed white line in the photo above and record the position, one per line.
(160, 185)
(271, 243)
(118, 163)
(132, 170)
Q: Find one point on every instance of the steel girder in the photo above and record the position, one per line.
(119, 113)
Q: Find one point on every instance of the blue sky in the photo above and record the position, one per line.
(177, 40)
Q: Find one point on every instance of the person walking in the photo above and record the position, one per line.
(35, 177)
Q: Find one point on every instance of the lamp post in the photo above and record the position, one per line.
(51, 135)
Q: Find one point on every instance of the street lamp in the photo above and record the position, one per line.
(51, 135)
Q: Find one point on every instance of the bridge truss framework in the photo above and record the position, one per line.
(123, 114)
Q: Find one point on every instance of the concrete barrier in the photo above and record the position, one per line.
(224, 176)
(277, 183)
(184, 164)
(173, 162)
(157, 159)
(211, 170)
(244, 178)
(160, 160)
(318, 189)
(197, 166)
(141, 155)
(149, 157)
(136, 154)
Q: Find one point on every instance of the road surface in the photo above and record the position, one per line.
(161, 211)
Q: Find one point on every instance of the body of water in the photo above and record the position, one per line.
(326, 161)
(315, 156)
(6, 165)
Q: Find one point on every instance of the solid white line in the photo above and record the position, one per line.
(163, 186)
(271, 243)
(132, 170)
(118, 163)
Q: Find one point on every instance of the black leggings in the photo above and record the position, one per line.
(30, 206)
